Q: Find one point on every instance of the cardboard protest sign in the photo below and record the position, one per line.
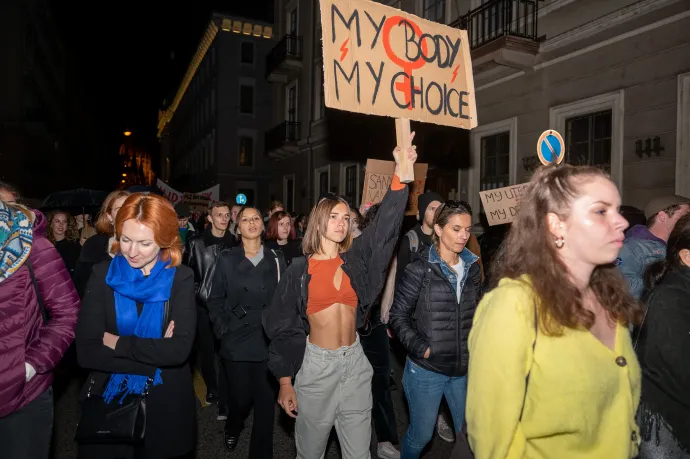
(378, 178)
(501, 205)
(382, 61)
(198, 202)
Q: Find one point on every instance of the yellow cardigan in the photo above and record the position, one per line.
(581, 398)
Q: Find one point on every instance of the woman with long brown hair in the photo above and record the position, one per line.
(552, 369)
(62, 232)
(98, 248)
(313, 319)
(136, 329)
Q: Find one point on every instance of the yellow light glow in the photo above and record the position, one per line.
(226, 25)
(123, 181)
(127, 133)
(257, 30)
(124, 175)
(247, 28)
(236, 26)
(268, 32)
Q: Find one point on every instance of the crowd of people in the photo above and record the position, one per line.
(568, 342)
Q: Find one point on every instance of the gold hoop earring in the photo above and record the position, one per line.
(560, 242)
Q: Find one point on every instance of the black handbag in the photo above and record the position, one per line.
(462, 449)
(125, 422)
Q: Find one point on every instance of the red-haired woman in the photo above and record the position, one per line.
(280, 235)
(122, 336)
(97, 248)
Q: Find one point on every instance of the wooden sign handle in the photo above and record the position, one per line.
(402, 132)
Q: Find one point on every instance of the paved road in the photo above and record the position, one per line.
(210, 437)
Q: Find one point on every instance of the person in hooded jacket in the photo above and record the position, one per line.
(432, 315)
(38, 313)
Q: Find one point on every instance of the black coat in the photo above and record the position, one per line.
(201, 255)
(366, 264)
(171, 406)
(426, 314)
(240, 293)
(663, 349)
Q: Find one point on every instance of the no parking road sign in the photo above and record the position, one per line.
(550, 148)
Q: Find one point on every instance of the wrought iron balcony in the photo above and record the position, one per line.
(284, 58)
(281, 140)
(500, 18)
(502, 33)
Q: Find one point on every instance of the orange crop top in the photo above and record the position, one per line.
(322, 290)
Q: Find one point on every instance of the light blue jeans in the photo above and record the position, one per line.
(424, 390)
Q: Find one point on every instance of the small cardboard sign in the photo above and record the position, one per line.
(502, 204)
(378, 178)
(383, 61)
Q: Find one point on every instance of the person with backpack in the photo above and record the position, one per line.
(432, 315)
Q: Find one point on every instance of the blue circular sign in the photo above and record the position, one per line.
(241, 199)
(550, 147)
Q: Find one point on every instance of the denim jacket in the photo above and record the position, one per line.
(467, 257)
(640, 249)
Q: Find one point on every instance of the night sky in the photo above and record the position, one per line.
(133, 54)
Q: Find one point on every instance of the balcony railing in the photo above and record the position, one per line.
(289, 47)
(280, 136)
(500, 18)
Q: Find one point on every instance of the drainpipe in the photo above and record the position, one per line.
(314, 48)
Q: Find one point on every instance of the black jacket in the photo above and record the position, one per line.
(366, 264)
(426, 313)
(663, 348)
(171, 406)
(201, 255)
(240, 293)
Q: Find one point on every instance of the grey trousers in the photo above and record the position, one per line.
(334, 389)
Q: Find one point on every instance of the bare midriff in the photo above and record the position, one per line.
(333, 327)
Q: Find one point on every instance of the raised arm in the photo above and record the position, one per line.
(167, 352)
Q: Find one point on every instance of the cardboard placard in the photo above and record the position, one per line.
(198, 202)
(378, 178)
(502, 204)
(383, 61)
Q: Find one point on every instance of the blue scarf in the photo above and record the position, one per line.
(131, 286)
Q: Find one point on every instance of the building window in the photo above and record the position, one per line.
(247, 52)
(319, 96)
(588, 140)
(213, 100)
(350, 188)
(289, 192)
(435, 10)
(247, 99)
(495, 162)
(322, 181)
(489, 144)
(291, 103)
(246, 151)
(292, 22)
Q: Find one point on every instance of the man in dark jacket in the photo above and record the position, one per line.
(420, 236)
(201, 255)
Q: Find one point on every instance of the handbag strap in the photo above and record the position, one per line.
(166, 315)
(39, 298)
(534, 346)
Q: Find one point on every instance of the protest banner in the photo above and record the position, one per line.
(198, 202)
(383, 61)
(502, 204)
(377, 180)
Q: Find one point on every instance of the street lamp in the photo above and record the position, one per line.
(127, 133)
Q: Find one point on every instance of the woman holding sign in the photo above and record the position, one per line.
(319, 304)
(553, 373)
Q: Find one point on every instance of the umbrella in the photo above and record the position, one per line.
(145, 189)
(80, 199)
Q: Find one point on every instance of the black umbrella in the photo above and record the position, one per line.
(145, 189)
(80, 199)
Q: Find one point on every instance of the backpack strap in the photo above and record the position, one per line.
(414, 240)
(279, 257)
(41, 304)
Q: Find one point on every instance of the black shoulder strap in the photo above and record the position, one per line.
(166, 315)
(41, 304)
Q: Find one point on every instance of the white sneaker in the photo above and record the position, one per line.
(386, 450)
(444, 430)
